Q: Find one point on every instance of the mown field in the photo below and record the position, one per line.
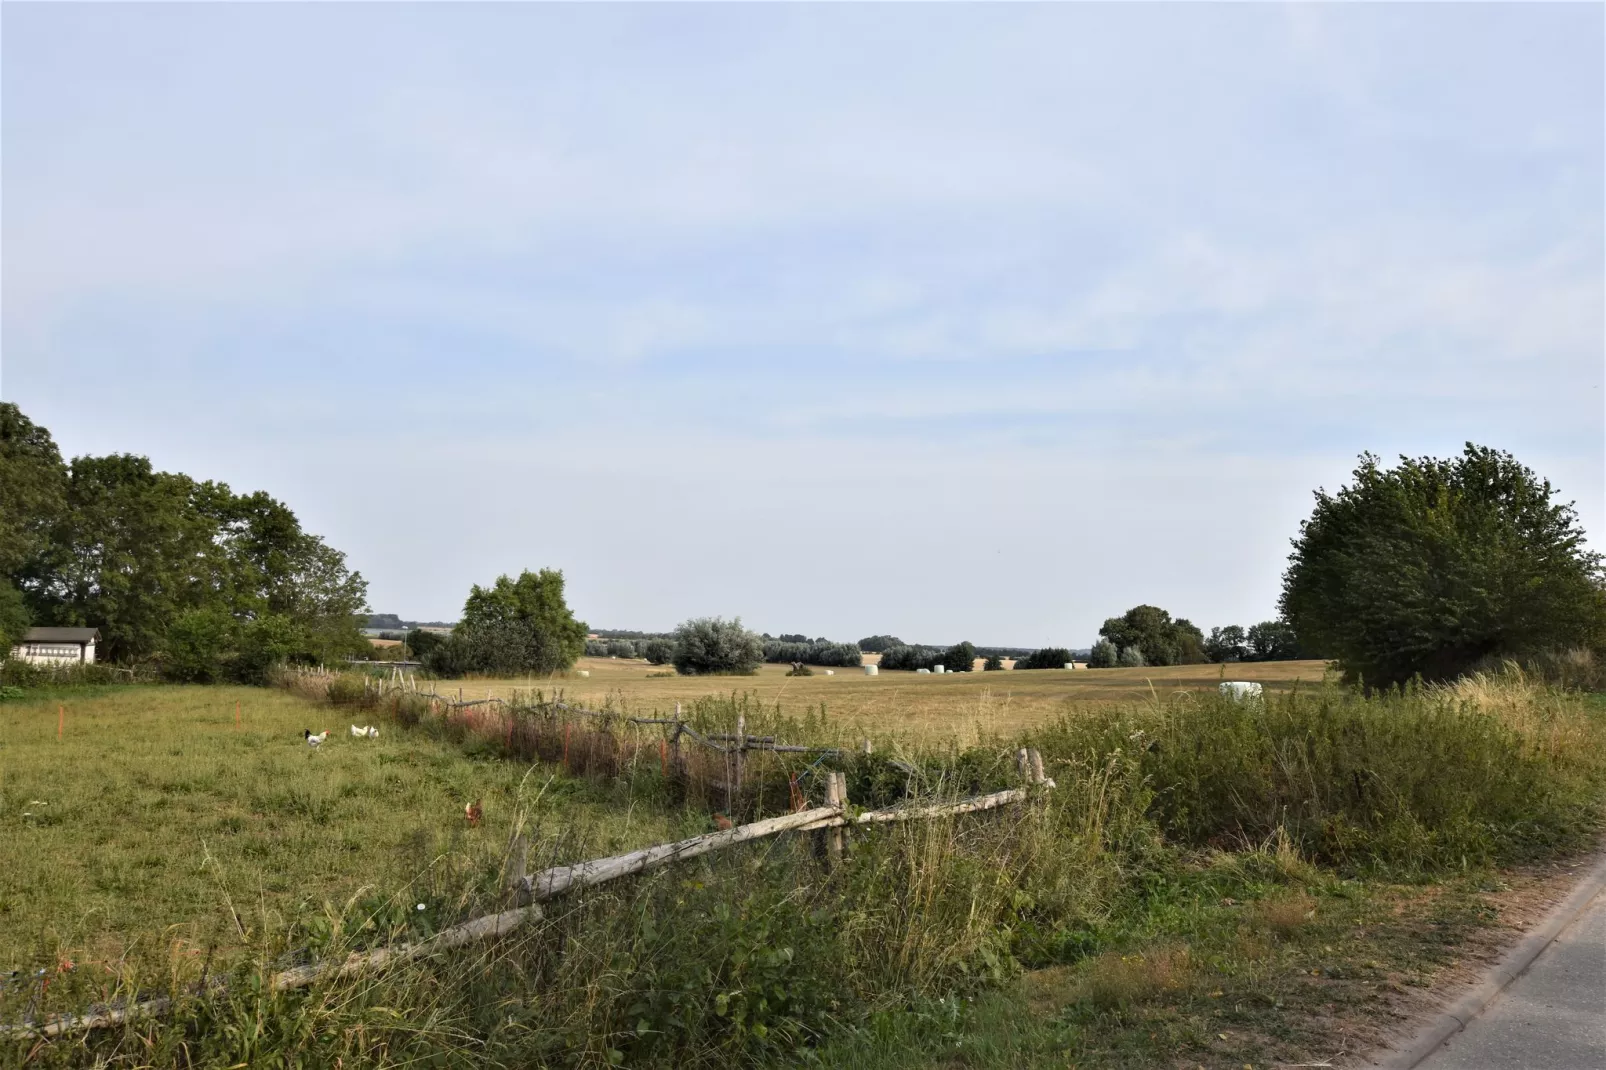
(1211, 884)
(906, 704)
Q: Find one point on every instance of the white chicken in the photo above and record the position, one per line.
(314, 741)
(365, 732)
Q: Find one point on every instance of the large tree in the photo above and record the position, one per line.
(33, 490)
(112, 543)
(1435, 565)
(521, 625)
(1161, 640)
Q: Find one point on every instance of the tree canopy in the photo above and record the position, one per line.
(714, 646)
(112, 543)
(514, 627)
(1161, 640)
(1435, 565)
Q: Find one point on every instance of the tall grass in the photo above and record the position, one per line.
(1494, 769)
(749, 956)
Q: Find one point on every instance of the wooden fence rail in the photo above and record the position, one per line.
(533, 889)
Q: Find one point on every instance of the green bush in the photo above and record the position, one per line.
(1103, 655)
(1161, 640)
(658, 651)
(1049, 657)
(715, 646)
(1130, 658)
(621, 648)
(1435, 566)
(961, 657)
(994, 663)
(198, 642)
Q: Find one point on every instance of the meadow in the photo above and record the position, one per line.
(1211, 883)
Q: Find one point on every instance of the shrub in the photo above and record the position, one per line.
(658, 651)
(266, 642)
(621, 648)
(1103, 655)
(1436, 565)
(993, 663)
(596, 648)
(715, 646)
(421, 642)
(909, 658)
(961, 657)
(198, 641)
(879, 644)
(800, 669)
(814, 652)
(1131, 658)
(1049, 657)
(1273, 640)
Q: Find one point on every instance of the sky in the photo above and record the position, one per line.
(978, 322)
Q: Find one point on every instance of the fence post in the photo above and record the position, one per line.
(1038, 776)
(836, 794)
(1023, 764)
(867, 748)
(735, 795)
(518, 859)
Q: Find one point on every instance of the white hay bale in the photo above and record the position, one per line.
(872, 670)
(923, 672)
(1070, 664)
(938, 669)
(1240, 690)
(829, 672)
(585, 672)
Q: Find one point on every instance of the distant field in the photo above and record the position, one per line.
(902, 703)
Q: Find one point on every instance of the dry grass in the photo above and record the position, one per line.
(1123, 980)
(961, 705)
(1284, 917)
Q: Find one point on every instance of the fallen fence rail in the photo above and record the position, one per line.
(533, 889)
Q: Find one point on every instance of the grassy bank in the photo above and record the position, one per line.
(1202, 877)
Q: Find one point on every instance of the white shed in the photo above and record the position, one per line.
(57, 646)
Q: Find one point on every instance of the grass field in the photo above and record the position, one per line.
(904, 703)
(156, 826)
(1211, 884)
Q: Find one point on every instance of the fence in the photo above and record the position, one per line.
(828, 822)
(732, 771)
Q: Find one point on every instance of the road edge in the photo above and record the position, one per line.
(1454, 1018)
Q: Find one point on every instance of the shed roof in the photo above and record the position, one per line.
(61, 635)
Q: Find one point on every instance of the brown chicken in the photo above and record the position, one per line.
(474, 814)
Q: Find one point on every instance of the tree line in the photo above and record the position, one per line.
(178, 573)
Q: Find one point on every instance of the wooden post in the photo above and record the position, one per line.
(867, 748)
(735, 794)
(836, 794)
(518, 860)
(1023, 764)
(1037, 767)
(61, 720)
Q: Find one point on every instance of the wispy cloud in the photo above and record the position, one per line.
(879, 289)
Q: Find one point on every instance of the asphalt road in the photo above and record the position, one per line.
(1553, 1017)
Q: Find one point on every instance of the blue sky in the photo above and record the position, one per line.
(973, 321)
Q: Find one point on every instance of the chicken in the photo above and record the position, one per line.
(365, 732)
(314, 741)
(721, 822)
(474, 814)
